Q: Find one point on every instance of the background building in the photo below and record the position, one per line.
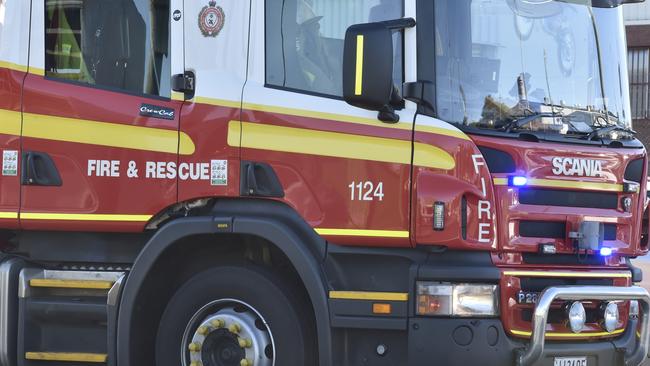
(637, 18)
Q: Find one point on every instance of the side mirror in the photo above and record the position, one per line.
(368, 67)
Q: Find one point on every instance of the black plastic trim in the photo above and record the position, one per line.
(566, 198)
(542, 229)
(498, 161)
(259, 180)
(267, 219)
(634, 170)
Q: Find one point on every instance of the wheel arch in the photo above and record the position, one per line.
(270, 220)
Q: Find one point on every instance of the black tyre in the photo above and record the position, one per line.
(233, 316)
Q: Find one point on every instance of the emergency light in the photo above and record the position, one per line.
(517, 181)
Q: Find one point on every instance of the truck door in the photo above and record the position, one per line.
(216, 50)
(14, 44)
(344, 171)
(99, 121)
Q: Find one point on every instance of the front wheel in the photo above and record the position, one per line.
(235, 316)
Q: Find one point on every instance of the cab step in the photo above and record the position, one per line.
(64, 317)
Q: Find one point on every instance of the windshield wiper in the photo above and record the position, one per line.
(598, 133)
(522, 121)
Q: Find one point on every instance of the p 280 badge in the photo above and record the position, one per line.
(524, 297)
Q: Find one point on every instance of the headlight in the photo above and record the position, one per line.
(463, 300)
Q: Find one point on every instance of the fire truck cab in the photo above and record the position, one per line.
(319, 182)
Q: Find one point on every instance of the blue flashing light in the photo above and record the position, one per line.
(605, 252)
(518, 181)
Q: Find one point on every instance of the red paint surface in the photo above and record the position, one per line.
(10, 99)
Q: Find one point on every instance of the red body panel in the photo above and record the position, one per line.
(317, 187)
(10, 99)
(466, 180)
(207, 126)
(84, 194)
(534, 160)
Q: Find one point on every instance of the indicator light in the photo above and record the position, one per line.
(517, 181)
(605, 252)
(548, 248)
(379, 308)
(439, 216)
(627, 204)
(631, 187)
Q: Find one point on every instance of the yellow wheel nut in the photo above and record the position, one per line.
(196, 363)
(234, 328)
(246, 362)
(245, 343)
(203, 330)
(217, 323)
(194, 347)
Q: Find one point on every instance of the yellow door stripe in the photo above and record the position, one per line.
(371, 296)
(451, 132)
(8, 215)
(13, 66)
(556, 183)
(67, 357)
(335, 144)
(365, 233)
(569, 335)
(358, 86)
(10, 122)
(36, 71)
(569, 274)
(83, 217)
(71, 284)
(106, 134)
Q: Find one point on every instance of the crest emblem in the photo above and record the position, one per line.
(211, 19)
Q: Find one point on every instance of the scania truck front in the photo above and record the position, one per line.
(541, 89)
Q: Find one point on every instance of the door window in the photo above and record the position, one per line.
(119, 44)
(304, 41)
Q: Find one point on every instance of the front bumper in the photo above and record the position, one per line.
(633, 356)
(463, 342)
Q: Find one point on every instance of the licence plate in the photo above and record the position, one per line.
(570, 361)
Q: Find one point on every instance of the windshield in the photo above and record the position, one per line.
(538, 65)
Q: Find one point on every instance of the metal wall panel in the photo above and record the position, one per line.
(637, 13)
(639, 69)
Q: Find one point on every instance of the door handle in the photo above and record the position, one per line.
(39, 170)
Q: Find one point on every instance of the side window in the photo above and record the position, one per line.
(121, 44)
(304, 41)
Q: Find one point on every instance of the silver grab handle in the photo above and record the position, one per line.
(535, 348)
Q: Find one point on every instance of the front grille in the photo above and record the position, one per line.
(542, 229)
(564, 259)
(556, 197)
(558, 316)
(535, 284)
(610, 231)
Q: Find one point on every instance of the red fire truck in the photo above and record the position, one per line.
(319, 182)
